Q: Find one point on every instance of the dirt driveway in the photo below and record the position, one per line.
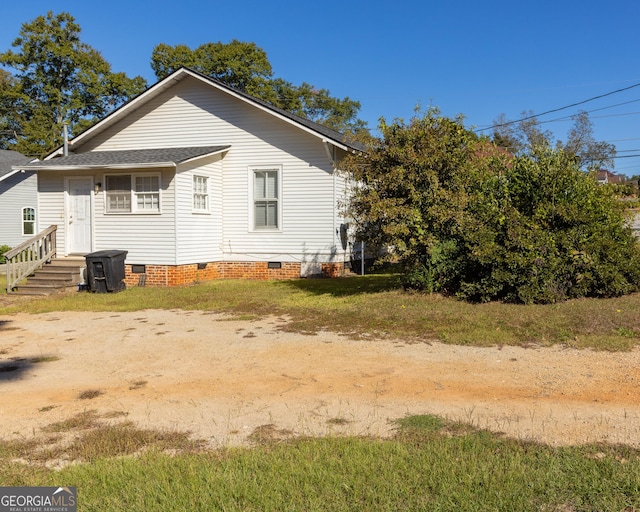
(221, 379)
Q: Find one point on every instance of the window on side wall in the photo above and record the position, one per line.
(266, 203)
(127, 193)
(28, 221)
(200, 194)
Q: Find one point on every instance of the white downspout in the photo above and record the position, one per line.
(330, 155)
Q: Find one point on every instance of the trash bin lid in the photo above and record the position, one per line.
(110, 253)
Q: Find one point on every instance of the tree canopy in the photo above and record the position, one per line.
(581, 143)
(467, 218)
(245, 66)
(525, 136)
(58, 80)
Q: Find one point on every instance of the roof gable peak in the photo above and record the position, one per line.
(318, 130)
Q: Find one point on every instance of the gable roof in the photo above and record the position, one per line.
(605, 176)
(9, 159)
(320, 131)
(126, 159)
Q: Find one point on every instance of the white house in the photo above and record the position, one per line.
(18, 200)
(196, 180)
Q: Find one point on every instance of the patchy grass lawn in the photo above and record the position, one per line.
(376, 305)
(431, 464)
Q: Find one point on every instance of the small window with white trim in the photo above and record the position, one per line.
(266, 198)
(147, 193)
(28, 221)
(127, 193)
(200, 194)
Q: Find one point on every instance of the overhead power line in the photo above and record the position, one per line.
(560, 108)
(567, 118)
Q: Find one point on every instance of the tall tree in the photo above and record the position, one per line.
(581, 143)
(11, 119)
(245, 66)
(58, 80)
(240, 65)
(525, 137)
(519, 137)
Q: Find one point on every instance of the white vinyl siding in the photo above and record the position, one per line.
(51, 206)
(308, 196)
(17, 192)
(199, 237)
(149, 239)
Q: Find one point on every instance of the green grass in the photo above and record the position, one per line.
(376, 306)
(431, 464)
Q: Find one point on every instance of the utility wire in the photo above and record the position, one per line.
(559, 109)
(567, 118)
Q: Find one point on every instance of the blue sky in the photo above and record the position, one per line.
(479, 59)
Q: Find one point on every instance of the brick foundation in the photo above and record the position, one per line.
(176, 275)
(333, 269)
(257, 270)
(170, 275)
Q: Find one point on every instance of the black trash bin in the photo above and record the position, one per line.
(105, 271)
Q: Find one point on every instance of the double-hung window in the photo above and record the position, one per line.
(266, 199)
(200, 194)
(28, 221)
(147, 193)
(118, 193)
(127, 193)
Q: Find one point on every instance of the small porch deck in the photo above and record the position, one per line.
(33, 267)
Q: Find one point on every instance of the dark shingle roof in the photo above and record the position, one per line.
(129, 158)
(9, 158)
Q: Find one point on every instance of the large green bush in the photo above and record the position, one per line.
(467, 219)
(551, 234)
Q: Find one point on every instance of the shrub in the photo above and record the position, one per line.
(558, 236)
(3, 250)
(466, 218)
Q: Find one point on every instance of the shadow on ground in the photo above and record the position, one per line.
(14, 369)
(347, 286)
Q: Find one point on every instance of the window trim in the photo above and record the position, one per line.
(32, 221)
(252, 199)
(133, 194)
(207, 194)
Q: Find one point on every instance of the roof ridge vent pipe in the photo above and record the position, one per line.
(65, 136)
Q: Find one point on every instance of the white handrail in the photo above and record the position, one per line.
(29, 256)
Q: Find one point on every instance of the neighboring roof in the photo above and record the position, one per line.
(137, 158)
(605, 176)
(316, 129)
(8, 159)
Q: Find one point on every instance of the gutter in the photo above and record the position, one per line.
(69, 167)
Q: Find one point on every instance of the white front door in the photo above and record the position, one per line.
(79, 215)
